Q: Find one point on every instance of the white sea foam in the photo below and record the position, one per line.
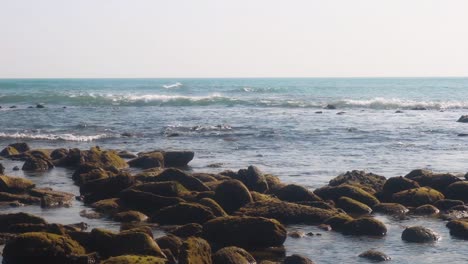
(65, 137)
(391, 103)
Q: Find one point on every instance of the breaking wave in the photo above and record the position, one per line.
(62, 137)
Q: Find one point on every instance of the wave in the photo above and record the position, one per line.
(396, 103)
(60, 137)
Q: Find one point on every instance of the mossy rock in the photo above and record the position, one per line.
(105, 188)
(37, 164)
(359, 178)
(352, 206)
(134, 259)
(458, 228)
(353, 192)
(95, 156)
(168, 189)
(426, 209)
(232, 195)
(188, 230)
(365, 227)
(108, 206)
(22, 198)
(189, 182)
(87, 172)
(287, 213)
(297, 259)
(39, 247)
(328, 205)
(253, 179)
(245, 232)
(374, 255)
(9, 151)
(15, 184)
(214, 206)
(126, 154)
(170, 242)
(58, 153)
(338, 221)
(458, 191)
(183, 213)
(296, 193)
(419, 234)
(195, 251)
(145, 202)
(274, 182)
(147, 161)
(130, 216)
(438, 181)
(205, 177)
(109, 244)
(398, 184)
(258, 197)
(26, 228)
(390, 209)
(417, 197)
(21, 147)
(232, 255)
(6, 220)
(446, 204)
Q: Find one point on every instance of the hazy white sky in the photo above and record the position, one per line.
(238, 38)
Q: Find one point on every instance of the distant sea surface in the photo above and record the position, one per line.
(279, 125)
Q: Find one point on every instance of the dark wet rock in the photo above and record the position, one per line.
(183, 213)
(189, 182)
(419, 108)
(132, 227)
(130, 216)
(108, 206)
(319, 112)
(37, 164)
(463, 119)
(287, 213)
(297, 259)
(359, 178)
(390, 209)
(352, 206)
(58, 153)
(295, 193)
(398, 184)
(438, 181)
(341, 113)
(126, 155)
(13, 106)
(170, 242)
(330, 107)
(6, 220)
(15, 184)
(194, 251)
(16, 168)
(20, 147)
(100, 158)
(26, 228)
(134, 259)
(109, 244)
(458, 228)
(398, 112)
(329, 205)
(274, 183)
(9, 151)
(214, 206)
(2, 169)
(232, 195)
(462, 135)
(87, 173)
(426, 209)
(39, 247)
(232, 255)
(146, 202)
(40, 106)
(22, 198)
(375, 255)
(457, 191)
(353, 192)
(253, 179)
(177, 158)
(167, 189)
(245, 232)
(446, 204)
(418, 196)
(51, 198)
(105, 188)
(188, 230)
(365, 227)
(147, 161)
(419, 234)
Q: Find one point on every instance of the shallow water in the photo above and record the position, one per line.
(271, 123)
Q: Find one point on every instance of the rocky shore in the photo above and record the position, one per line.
(227, 217)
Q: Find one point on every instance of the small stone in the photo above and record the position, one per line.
(375, 255)
(40, 106)
(463, 119)
(16, 168)
(296, 234)
(319, 112)
(419, 234)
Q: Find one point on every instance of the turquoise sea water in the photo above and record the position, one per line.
(271, 123)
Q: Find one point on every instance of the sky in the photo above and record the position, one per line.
(237, 38)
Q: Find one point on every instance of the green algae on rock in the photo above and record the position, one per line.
(418, 196)
(352, 206)
(195, 251)
(183, 213)
(232, 255)
(232, 195)
(134, 259)
(353, 192)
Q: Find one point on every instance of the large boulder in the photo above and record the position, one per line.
(101, 158)
(170, 242)
(195, 251)
(110, 244)
(398, 184)
(438, 181)
(458, 228)
(253, 178)
(446, 204)
(419, 234)
(353, 192)
(352, 206)
(105, 188)
(146, 202)
(458, 191)
(39, 247)
(297, 259)
(9, 151)
(287, 213)
(183, 213)
(232, 195)
(390, 209)
(189, 182)
(6, 220)
(417, 197)
(134, 259)
(177, 158)
(37, 164)
(245, 232)
(296, 193)
(147, 161)
(214, 206)
(365, 226)
(188, 230)
(374, 255)
(21, 147)
(232, 255)
(15, 184)
(359, 178)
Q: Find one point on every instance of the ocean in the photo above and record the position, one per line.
(388, 126)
